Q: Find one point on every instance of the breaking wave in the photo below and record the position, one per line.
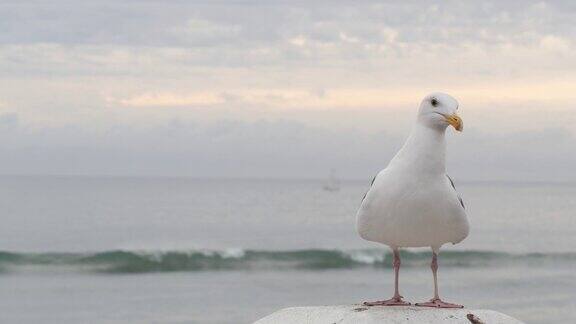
(121, 261)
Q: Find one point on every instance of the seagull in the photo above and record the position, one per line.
(413, 202)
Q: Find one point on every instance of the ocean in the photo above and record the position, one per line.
(181, 250)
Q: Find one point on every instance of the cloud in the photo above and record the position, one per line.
(201, 30)
(558, 91)
(169, 100)
(196, 88)
(281, 148)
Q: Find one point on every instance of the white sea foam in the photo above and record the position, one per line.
(365, 256)
(233, 253)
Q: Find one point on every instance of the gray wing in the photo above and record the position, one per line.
(457, 194)
(371, 183)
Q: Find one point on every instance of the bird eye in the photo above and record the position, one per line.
(434, 102)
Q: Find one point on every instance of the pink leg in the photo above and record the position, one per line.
(436, 301)
(396, 300)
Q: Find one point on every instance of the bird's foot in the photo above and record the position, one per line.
(438, 303)
(394, 301)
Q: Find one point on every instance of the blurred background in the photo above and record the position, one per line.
(202, 161)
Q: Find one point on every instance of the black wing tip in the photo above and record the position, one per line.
(371, 183)
(451, 182)
(454, 187)
(461, 202)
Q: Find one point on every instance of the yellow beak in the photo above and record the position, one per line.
(455, 121)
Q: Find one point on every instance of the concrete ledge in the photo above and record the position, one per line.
(358, 314)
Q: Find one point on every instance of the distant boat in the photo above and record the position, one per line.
(333, 184)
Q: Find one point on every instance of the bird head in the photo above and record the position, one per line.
(438, 110)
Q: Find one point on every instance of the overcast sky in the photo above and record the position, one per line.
(283, 88)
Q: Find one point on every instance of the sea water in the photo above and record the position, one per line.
(178, 250)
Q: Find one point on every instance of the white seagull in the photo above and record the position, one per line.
(413, 202)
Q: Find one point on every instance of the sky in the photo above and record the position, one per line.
(283, 89)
